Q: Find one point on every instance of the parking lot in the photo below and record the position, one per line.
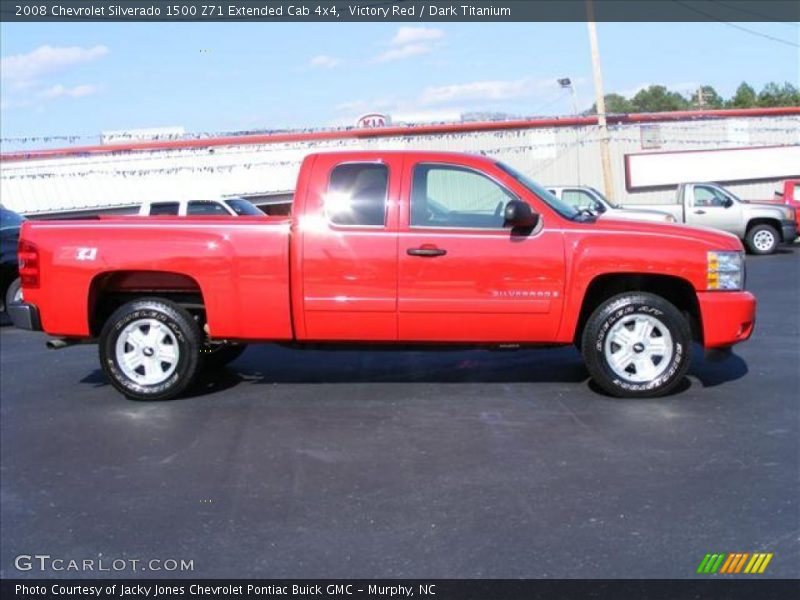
(463, 464)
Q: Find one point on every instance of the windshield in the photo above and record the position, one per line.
(604, 199)
(562, 208)
(243, 207)
(9, 219)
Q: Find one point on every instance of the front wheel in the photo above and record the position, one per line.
(762, 239)
(636, 345)
(150, 349)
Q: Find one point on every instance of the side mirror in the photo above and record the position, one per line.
(598, 207)
(727, 203)
(519, 214)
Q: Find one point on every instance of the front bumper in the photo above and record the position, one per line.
(790, 231)
(728, 317)
(25, 316)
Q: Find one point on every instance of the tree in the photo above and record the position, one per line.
(779, 95)
(615, 104)
(658, 98)
(710, 98)
(745, 97)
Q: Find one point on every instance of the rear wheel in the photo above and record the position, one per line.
(150, 349)
(636, 345)
(13, 293)
(762, 239)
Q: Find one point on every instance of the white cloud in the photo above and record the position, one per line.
(324, 61)
(413, 35)
(47, 59)
(60, 91)
(403, 52)
(485, 91)
(411, 41)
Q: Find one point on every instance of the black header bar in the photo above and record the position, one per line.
(716, 588)
(419, 11)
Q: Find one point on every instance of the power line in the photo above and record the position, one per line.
(735, 26)
(755, 13)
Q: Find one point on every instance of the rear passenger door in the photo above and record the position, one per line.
(349, 250)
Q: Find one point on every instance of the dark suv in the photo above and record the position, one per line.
(10, 290)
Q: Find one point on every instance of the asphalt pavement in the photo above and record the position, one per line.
(462, 464)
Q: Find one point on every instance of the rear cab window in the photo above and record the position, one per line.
(357, 195)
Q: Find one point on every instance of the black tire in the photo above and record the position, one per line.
(13, 293)
(637, 309)
(216, 356)
(177, 327)
(758, 237)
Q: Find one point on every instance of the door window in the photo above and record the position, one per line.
(164, 208)
(450, 196)
(205, 207)
(356, 195)
(579, 199)
(708, 196)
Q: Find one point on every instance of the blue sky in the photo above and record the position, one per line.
(83, 78)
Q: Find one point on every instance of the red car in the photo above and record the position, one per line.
(414, 248)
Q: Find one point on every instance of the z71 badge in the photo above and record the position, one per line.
(85, 253)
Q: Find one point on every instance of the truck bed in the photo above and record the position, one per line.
(245, 298)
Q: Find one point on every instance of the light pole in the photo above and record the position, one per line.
(605, 152)
(566, 83)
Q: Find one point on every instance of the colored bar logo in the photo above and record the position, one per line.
(735, 562)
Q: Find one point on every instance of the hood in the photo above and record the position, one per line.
(713, 238)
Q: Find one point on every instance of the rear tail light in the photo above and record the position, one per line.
(28, 257)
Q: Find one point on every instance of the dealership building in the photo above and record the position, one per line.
(748, 150)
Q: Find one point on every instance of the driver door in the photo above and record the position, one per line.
(463, 276)
(712, 208)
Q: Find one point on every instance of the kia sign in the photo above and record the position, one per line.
(372, 120)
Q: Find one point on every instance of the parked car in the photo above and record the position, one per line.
(588, 198)
(417, 248)
(235, 207)
(762, 226)
(10, 288)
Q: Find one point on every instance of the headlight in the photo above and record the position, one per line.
(725, 270)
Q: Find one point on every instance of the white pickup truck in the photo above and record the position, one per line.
(584, 197)
(762, 226)
(207, 206)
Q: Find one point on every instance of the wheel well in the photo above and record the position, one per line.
(765, 221)
(675, 290)
(109, 291)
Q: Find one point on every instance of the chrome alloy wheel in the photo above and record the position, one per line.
(764, 240)
(147, 351)
(638, 348)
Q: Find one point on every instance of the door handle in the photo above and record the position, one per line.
(429, 251)
(699, 212)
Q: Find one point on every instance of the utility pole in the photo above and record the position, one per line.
(566, 82)
(605, 151)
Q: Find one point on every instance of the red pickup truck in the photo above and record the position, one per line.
(405, 248)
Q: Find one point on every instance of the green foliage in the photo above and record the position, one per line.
(657, 98)
(745, 97)
(706, 97)
(779, 95)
